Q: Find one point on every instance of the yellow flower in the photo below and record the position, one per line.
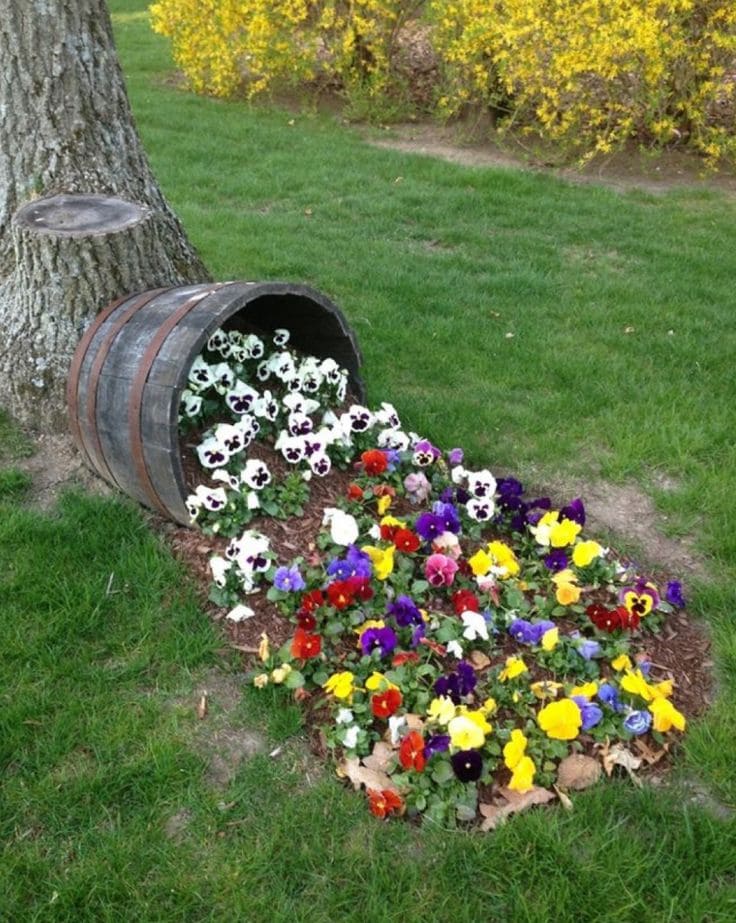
(622, 662)
(465, 733)
(515, 666)
(477, 717)
(264, 648)
(441, 709)
(261, 680)
(545, 689)
(523, 774)
(567, 594)
(585, 552)
(383, 504)
(560, 720)
(280, 673)
(489, 706)
(393, 521)
(378, 682)
(382, 558)
(635, 683)
(587, 689)
(564, 533)
(550, 639)
(340, 684)
(480, 563)
(514, 749)
(563, 577)
(504, 558)
(666, 716)
(543, 528)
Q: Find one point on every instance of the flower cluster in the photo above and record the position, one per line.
(464, 632)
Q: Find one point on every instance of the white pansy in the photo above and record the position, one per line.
(241, 397)
(375, 532)
(240, 613)
(481, 483)
(190, 404)
(480, 510)
(230, 436)
(224, 377)
(219, 567)
(255, 474)
(212, 453)
(343, 526)
(359, 417)
(392, 439)
(217, 340)
(396, 723)
(224, 475)
(388, 417)
(455, 648)
(281, 336)
(350, 737)
(253, 346)
(292, 448)
(458, 474)
(320, 464)
(296, 402)
(344, 716)
(211, 498)
(266, 406)
(299, 424)
(475, 626)
(200, 375)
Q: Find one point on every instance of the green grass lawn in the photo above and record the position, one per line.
(434, 265)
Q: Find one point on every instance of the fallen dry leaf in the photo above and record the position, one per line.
(618, 755)
(361, 775)
(414, 722)
(382, 757)
(565, 800)
(511, 803)
(479, 660)
(578, 772)
(650, 756)
(202, 706)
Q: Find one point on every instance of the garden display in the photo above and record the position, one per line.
(461, 649)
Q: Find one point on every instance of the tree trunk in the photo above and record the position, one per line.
(66, 128)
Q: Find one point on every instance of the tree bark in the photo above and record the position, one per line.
(66, 127)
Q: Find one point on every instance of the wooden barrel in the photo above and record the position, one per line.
(131, 366)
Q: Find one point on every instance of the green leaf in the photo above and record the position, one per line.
(294, 680)
(442, 773)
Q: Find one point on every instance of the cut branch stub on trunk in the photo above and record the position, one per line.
(132, 365)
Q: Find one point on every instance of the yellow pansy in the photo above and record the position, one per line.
(340, 684)
(264, 647)
(550, 639)
(523, 774)
(465, 733)
(382, 558)
(586, 552)
(564, 533)
(441, 709)
(505, 558)
(635, 683)
(622, 662)
(280, 673)
(514, 749)
(489, 706)
(543, 528)
(261, 680)
(666, 716)
(480, 563)
(515, 666)
(546, 689)
(478, 717)
(567, 594)
(564, 576)
(587, 689)
(560, 720)
(377, 682)
(383, 504)
(392, 521)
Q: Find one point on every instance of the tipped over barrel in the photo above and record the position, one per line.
(131, 367)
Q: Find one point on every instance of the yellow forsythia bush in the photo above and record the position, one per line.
(593, 73)
(228, 46)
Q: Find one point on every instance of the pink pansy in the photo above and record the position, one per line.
(440, 570)
(447, 543)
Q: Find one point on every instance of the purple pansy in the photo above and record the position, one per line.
(288, 579)
(556, 560)
(591, 713)
(356, 563)
(383, 640)
(638, 722)
(457, 684)
(448, 515)
(588, 649)
(467, 765)
(456, 456)
(608, 694)
(405, 611)
(673, 594)
(437, 743)
(574, 511)
(429, 526)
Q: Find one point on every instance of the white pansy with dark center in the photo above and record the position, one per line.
(388, 417)
(299, 424)
(224, 377)
(191, 403)
(217, 341)
(231, 437)
(253, 346)
(211, 498)
(241, 397)
(256, 474)
(480, 509)
(200, 375)
(248, 427)
(281, 336)
(342, 389)
(359, 418)
(313, 445)
(392, 439)
(291, 447)
(253, 552)
(212, 453)
(282, 365)
(266, 406)
(296, 402)
(320, 464)
(233, 549)
(263, 372)
(481, 483)
(331, 371)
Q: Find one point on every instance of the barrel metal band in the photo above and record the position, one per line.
(136, 394)
(72, 384)
(98, 456)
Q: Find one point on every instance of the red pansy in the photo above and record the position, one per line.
(374, 462)
(406, 541)
(385, 704)
(383, 802)
(305, 645)
(411, 751)
(404, 657)
(464, 601)
(312, 600)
